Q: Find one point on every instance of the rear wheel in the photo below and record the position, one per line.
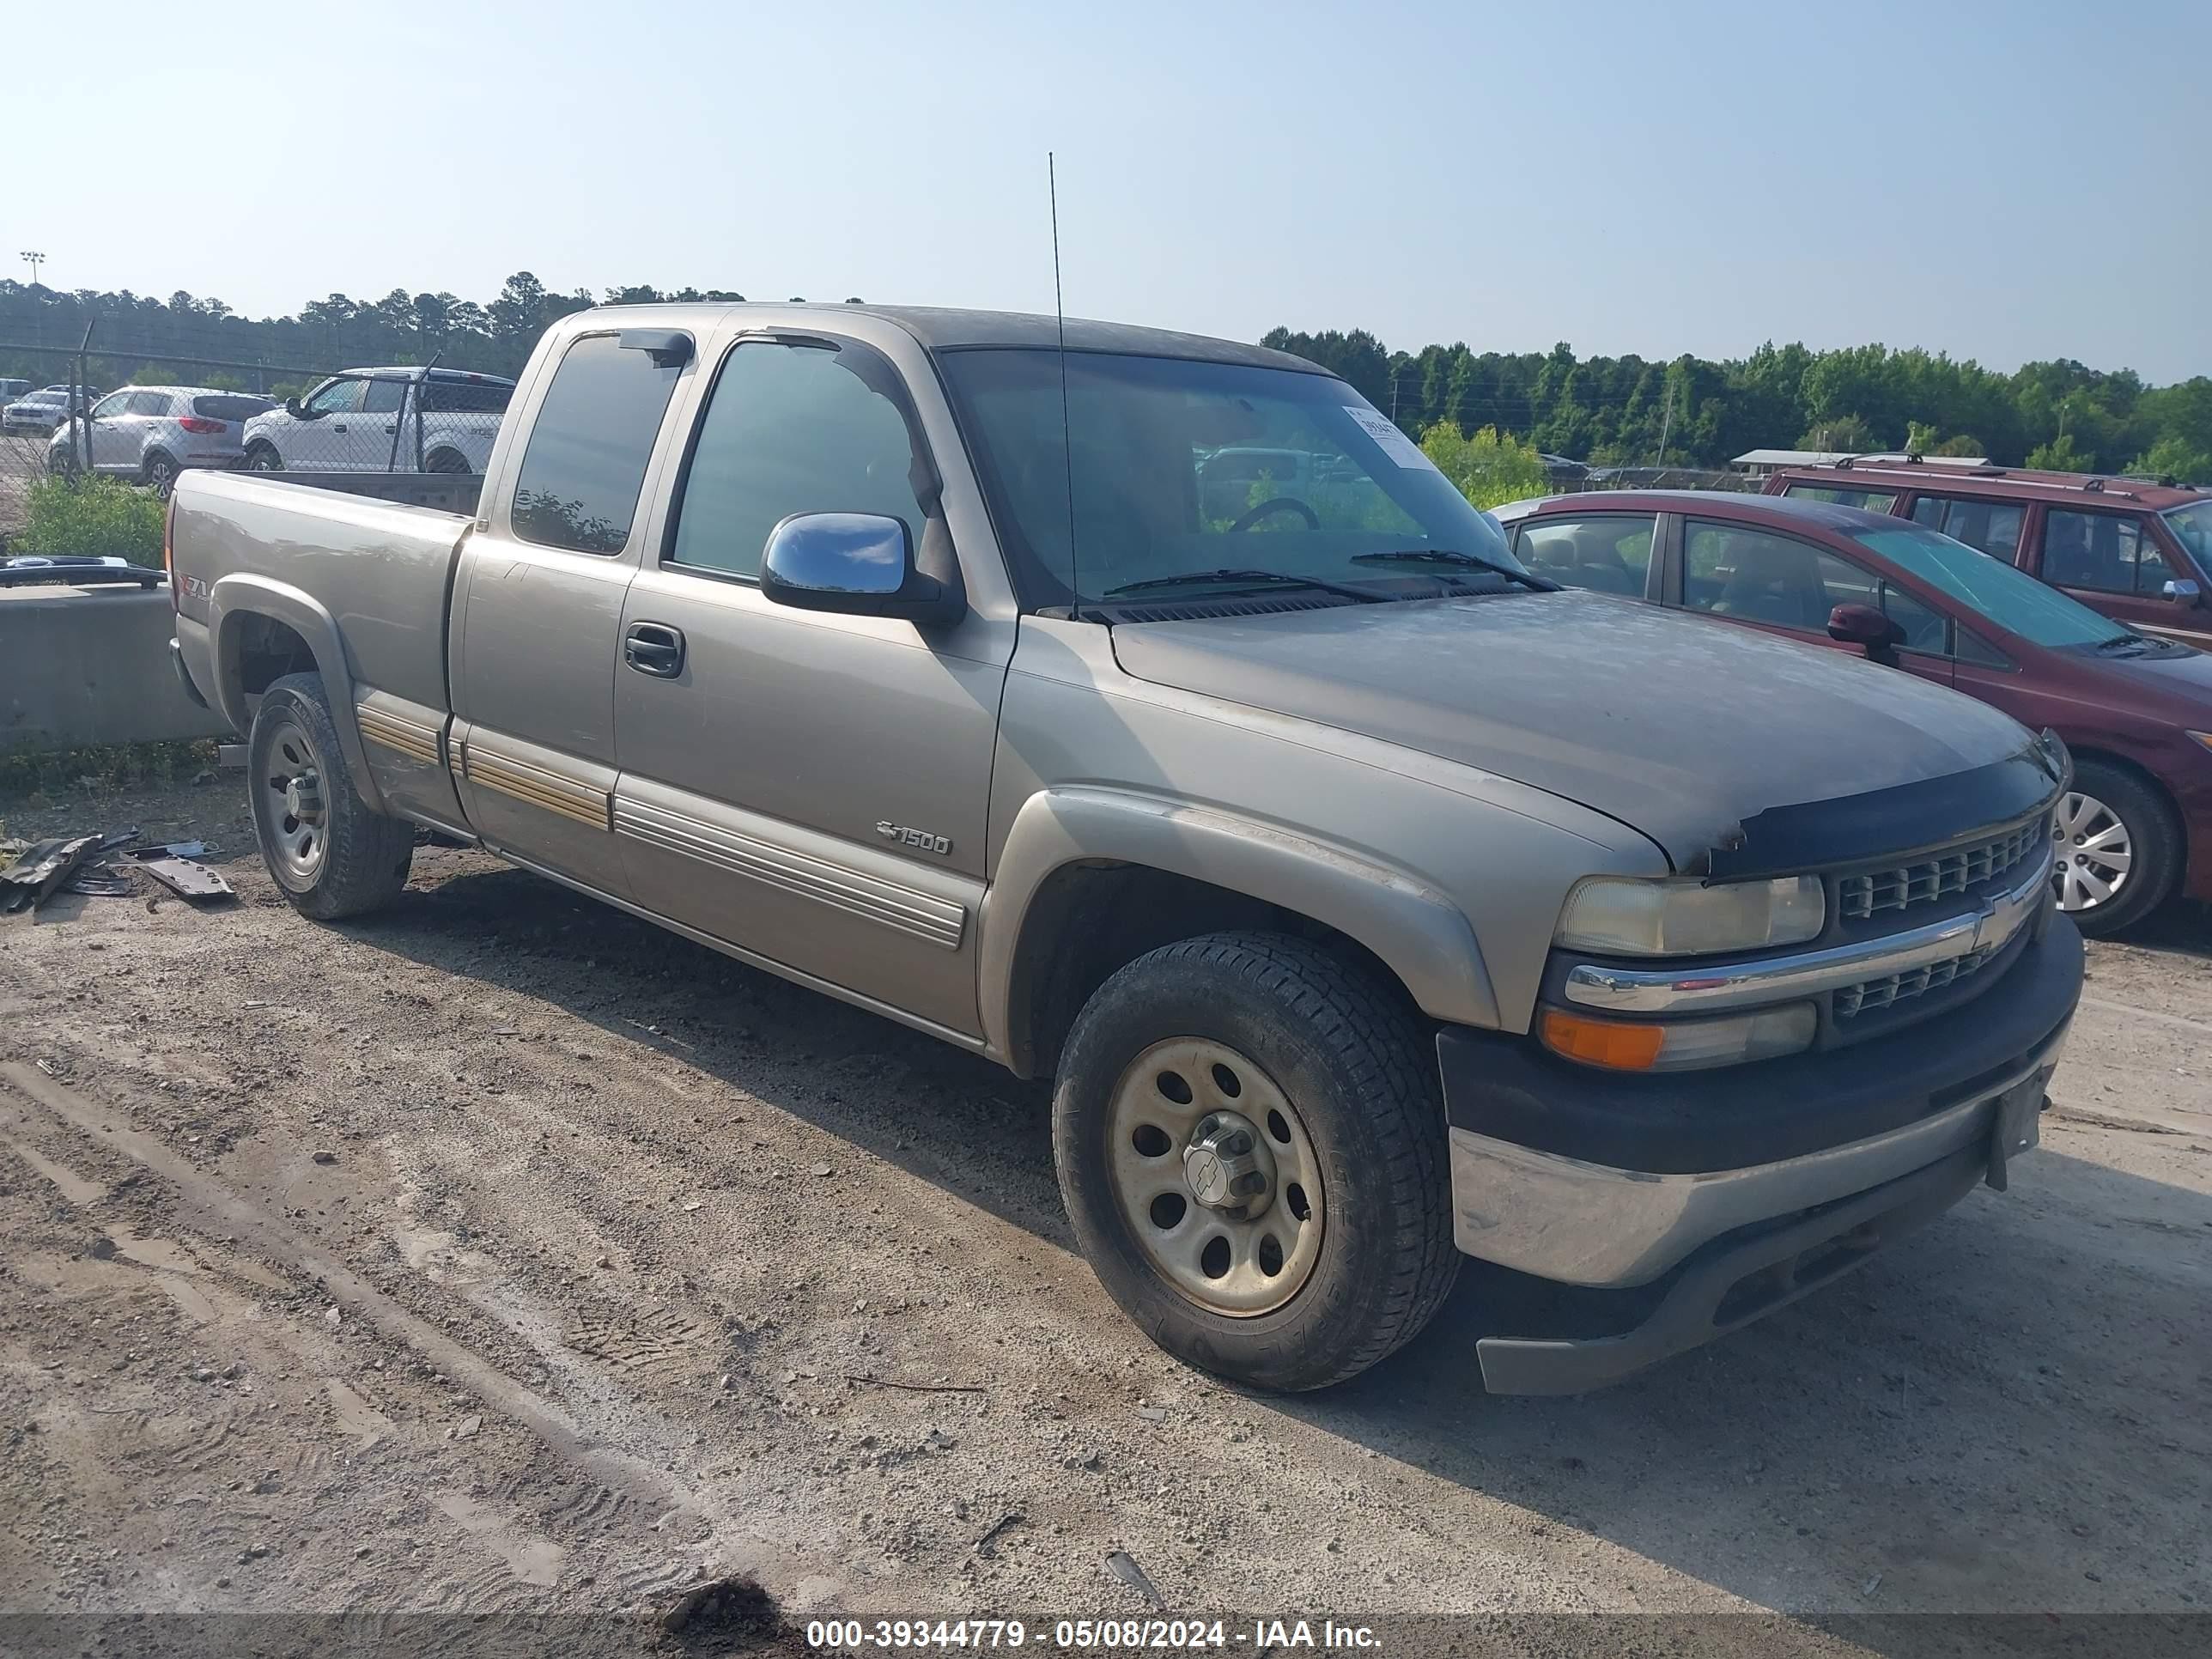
(1251, 1148)
(2117, 848)
(447, 460)
(329, 854)
(159, 473)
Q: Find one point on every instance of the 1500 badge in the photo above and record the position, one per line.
(920, 839)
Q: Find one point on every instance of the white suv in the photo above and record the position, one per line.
(384, 420)
(151, 433)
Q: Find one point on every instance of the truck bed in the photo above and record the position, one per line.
(381, 571)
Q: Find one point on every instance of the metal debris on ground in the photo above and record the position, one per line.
(1123, 1565)
(43, 870)
(180, 874)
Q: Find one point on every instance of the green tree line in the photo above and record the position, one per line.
(1622, 410)
(1626, 410)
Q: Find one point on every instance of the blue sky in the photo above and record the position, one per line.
(2005, 181)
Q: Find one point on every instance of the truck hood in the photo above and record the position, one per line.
(1680, 727)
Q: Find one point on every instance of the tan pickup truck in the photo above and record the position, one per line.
(1144, 711)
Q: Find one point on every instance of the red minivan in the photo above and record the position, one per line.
(2136, 709)
(2134, 550)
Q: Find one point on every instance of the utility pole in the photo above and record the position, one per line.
(34, 260)
(1666, 422)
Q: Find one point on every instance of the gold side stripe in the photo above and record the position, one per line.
(521, 781)
(398, 734)
(935, 921)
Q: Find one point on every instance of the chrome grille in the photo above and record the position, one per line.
(1872, 993)
(1858, 897)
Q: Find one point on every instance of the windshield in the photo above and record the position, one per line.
(2006, 595)
(1181, 467)
(2192, 527)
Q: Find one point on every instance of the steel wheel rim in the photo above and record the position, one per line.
(1216, 1257)
(288, 800)
(2096, 853)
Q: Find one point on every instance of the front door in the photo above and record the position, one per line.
(112, 427)
(2113, 562)
(811, 788)
(1779, 582)
(533, 747)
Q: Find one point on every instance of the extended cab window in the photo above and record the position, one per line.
(1608, 552)
(444, 397)
(383, 397)
(1874, 501)
(1736, 571)
(789, 429)
(2106, 552)
(1991, 526)
(585, 467)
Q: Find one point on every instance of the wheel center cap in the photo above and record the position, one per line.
(303, 798)
(1228, 1167)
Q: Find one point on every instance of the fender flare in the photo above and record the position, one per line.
(235, 598)
(1418, 932)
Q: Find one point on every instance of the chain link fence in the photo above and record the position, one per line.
(144, 416)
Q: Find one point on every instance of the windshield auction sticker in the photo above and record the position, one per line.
(1391, 441)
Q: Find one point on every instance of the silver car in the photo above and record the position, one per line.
(36, 411)
(151, 433)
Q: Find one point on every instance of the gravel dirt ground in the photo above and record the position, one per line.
(502, 1254)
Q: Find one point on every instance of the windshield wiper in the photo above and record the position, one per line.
(1453, 555)
(2122, 641)
(1234, 576)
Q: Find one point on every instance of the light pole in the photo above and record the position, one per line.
(34, 260)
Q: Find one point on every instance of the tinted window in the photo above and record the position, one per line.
(230, 408)
(2193, 527)
(1609, 553)
(1992, 526)
(2103, 551)
(1875, 500)
(1735, 571)
(148, 403)
(383, 397)
(109, 407)
(2009, 597)
(589, 446)
(465, 397)
(789, 429)
(338, 397)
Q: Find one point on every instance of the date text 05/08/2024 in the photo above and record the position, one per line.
(1090, 1635)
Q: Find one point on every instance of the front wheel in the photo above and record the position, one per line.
(328, 853)
(264, 458)
(1251, 1146)
(2117, 848)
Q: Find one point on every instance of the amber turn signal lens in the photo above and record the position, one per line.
(1612, 1042)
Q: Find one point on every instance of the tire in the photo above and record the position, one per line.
(446, 460)
(340, 859)
(2107, 797)
(1327, 1039)
(264, 458)
(159, 474)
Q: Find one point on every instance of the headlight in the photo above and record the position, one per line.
(2203, 737)
(1663, 917)
(1680, 1045)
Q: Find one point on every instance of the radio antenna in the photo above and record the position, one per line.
(1066, 433)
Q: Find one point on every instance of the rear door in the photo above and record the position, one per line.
(811, 788)
(1980, 521)
(2111, 560)
(546, 571)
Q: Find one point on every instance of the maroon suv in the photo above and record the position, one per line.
(2138, 552)
(2135, 709)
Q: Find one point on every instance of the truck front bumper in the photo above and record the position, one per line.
(1693, 1203)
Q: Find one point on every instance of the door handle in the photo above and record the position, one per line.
(391, 428)
(337, 426)
(654, 648)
